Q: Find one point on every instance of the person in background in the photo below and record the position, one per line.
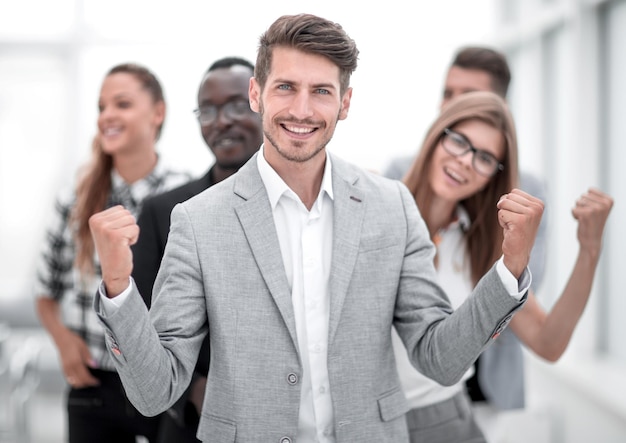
(468, 159)
(498, 379)
(233, 133)
(296, 267)
(124, 169)
(480, 68)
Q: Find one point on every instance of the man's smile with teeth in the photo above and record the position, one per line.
(298, 129)
(226, 141)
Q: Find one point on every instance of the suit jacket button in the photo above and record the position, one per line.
(285, 440)
(292, 379)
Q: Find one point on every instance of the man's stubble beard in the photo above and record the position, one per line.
(284, 153)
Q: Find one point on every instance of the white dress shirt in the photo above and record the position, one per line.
(305, 239)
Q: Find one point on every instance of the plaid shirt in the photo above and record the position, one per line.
(58, 278)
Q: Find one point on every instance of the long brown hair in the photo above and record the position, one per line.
(94, 182)
(484, 236)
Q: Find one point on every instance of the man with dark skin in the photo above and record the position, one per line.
(233, 133)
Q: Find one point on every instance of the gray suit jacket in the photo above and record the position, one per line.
(223, 274)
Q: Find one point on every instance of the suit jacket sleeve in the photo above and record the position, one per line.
(184, 411)
(442, 343)
(154, 369)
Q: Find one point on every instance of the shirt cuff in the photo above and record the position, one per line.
(111, 305)
(516, 288)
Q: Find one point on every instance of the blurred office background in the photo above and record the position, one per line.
(568, 98)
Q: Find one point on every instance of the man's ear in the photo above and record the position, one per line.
(345, 104)
(254, 92)
(159, 113)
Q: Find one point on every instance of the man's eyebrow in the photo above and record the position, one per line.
(323, 85)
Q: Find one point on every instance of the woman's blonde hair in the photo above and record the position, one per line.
(484, 236)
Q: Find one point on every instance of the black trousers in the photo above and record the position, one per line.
(103, 414)
(173, 431)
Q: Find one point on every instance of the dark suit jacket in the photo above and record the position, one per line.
(154, 227)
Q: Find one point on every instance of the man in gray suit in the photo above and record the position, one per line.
(297, 267)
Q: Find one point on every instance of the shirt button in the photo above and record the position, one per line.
(292, 379)
(285, 440)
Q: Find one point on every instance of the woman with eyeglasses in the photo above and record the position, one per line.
(124, 170)
(467, 161)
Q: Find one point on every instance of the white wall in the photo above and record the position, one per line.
(567, 98)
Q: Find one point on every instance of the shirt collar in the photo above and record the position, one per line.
(143, 186)
(276, 186)
(462, 218)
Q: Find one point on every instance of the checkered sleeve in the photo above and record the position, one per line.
(54, 272)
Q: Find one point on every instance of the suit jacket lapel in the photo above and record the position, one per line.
(349, 209)
(257, 221)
